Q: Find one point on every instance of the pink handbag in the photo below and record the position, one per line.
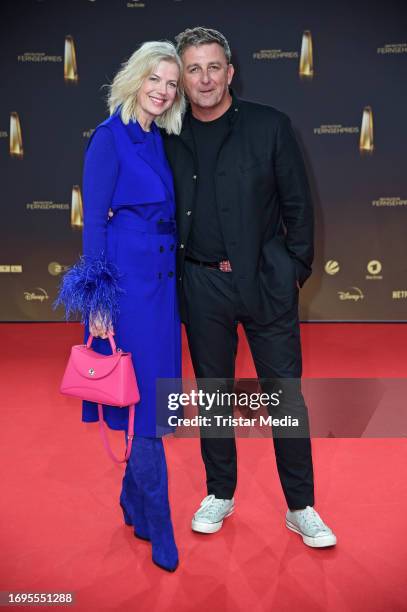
(103, 379)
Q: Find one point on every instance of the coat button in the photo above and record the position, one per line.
(195, 177)
(189, 212)
(161, 248)
(170, 274)
(180, 278)
(160, 275)
(172, 247)
(181, 246)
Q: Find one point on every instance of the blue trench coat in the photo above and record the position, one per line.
(128, 269)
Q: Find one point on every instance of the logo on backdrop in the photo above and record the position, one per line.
(46, 205)
(393, 202)
(272, 54)
(392, 49)
(135, 4)
(374, 267)
(38, 57)
(332, 267)
(55, 268)
(88, 133)
(38, 295)
(16, 139)
(353, 294)
(366, 131)
(11, 268)
(306, 68)
(70, 64)
(306, 63)
(399, 294)
(335, 129)
(76, 208)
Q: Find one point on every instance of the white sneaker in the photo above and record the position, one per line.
(209, 517)
(311, 527)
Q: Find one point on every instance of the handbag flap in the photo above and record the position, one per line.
(93, 365)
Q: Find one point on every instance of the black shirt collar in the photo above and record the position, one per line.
(232, 113)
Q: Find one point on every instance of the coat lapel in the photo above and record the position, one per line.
(186, 133)
(155, 159)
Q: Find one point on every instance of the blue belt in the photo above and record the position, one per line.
(149, 227)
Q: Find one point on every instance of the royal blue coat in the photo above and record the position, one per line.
(128, 268)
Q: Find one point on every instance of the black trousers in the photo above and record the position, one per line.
(214, 309)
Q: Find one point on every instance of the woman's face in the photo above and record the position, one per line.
(158, 91)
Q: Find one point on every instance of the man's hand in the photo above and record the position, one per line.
(98, 329)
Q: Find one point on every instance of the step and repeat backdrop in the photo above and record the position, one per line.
(338, 69)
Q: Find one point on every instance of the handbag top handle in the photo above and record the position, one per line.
(111, 340)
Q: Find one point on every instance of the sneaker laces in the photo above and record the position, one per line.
(312, 519)
(212, 505)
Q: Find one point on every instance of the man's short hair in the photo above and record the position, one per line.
(201, 36)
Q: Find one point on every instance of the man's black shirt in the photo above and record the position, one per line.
(206, 241)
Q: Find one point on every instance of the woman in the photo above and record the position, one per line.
(126, 280)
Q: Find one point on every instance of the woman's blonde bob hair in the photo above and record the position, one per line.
(127, 82)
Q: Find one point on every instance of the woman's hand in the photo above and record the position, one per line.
(98, 328)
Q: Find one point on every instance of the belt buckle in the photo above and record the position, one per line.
(224, 266)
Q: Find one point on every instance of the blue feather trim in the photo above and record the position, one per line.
(90, 288)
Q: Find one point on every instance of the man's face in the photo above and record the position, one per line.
(207, 75)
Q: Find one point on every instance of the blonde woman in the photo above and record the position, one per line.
(125, 282)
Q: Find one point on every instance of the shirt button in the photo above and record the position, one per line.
(161, 248)
(189, 212)
(170, 274)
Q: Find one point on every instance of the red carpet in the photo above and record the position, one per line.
(62, 529)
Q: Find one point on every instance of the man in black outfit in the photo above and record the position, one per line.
(245, 224)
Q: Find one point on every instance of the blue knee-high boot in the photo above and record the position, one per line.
(149, 469)
(132, 504)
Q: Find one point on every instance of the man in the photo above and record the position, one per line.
(245, 225)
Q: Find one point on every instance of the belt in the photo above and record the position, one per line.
(124, 218)
(223, 266)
